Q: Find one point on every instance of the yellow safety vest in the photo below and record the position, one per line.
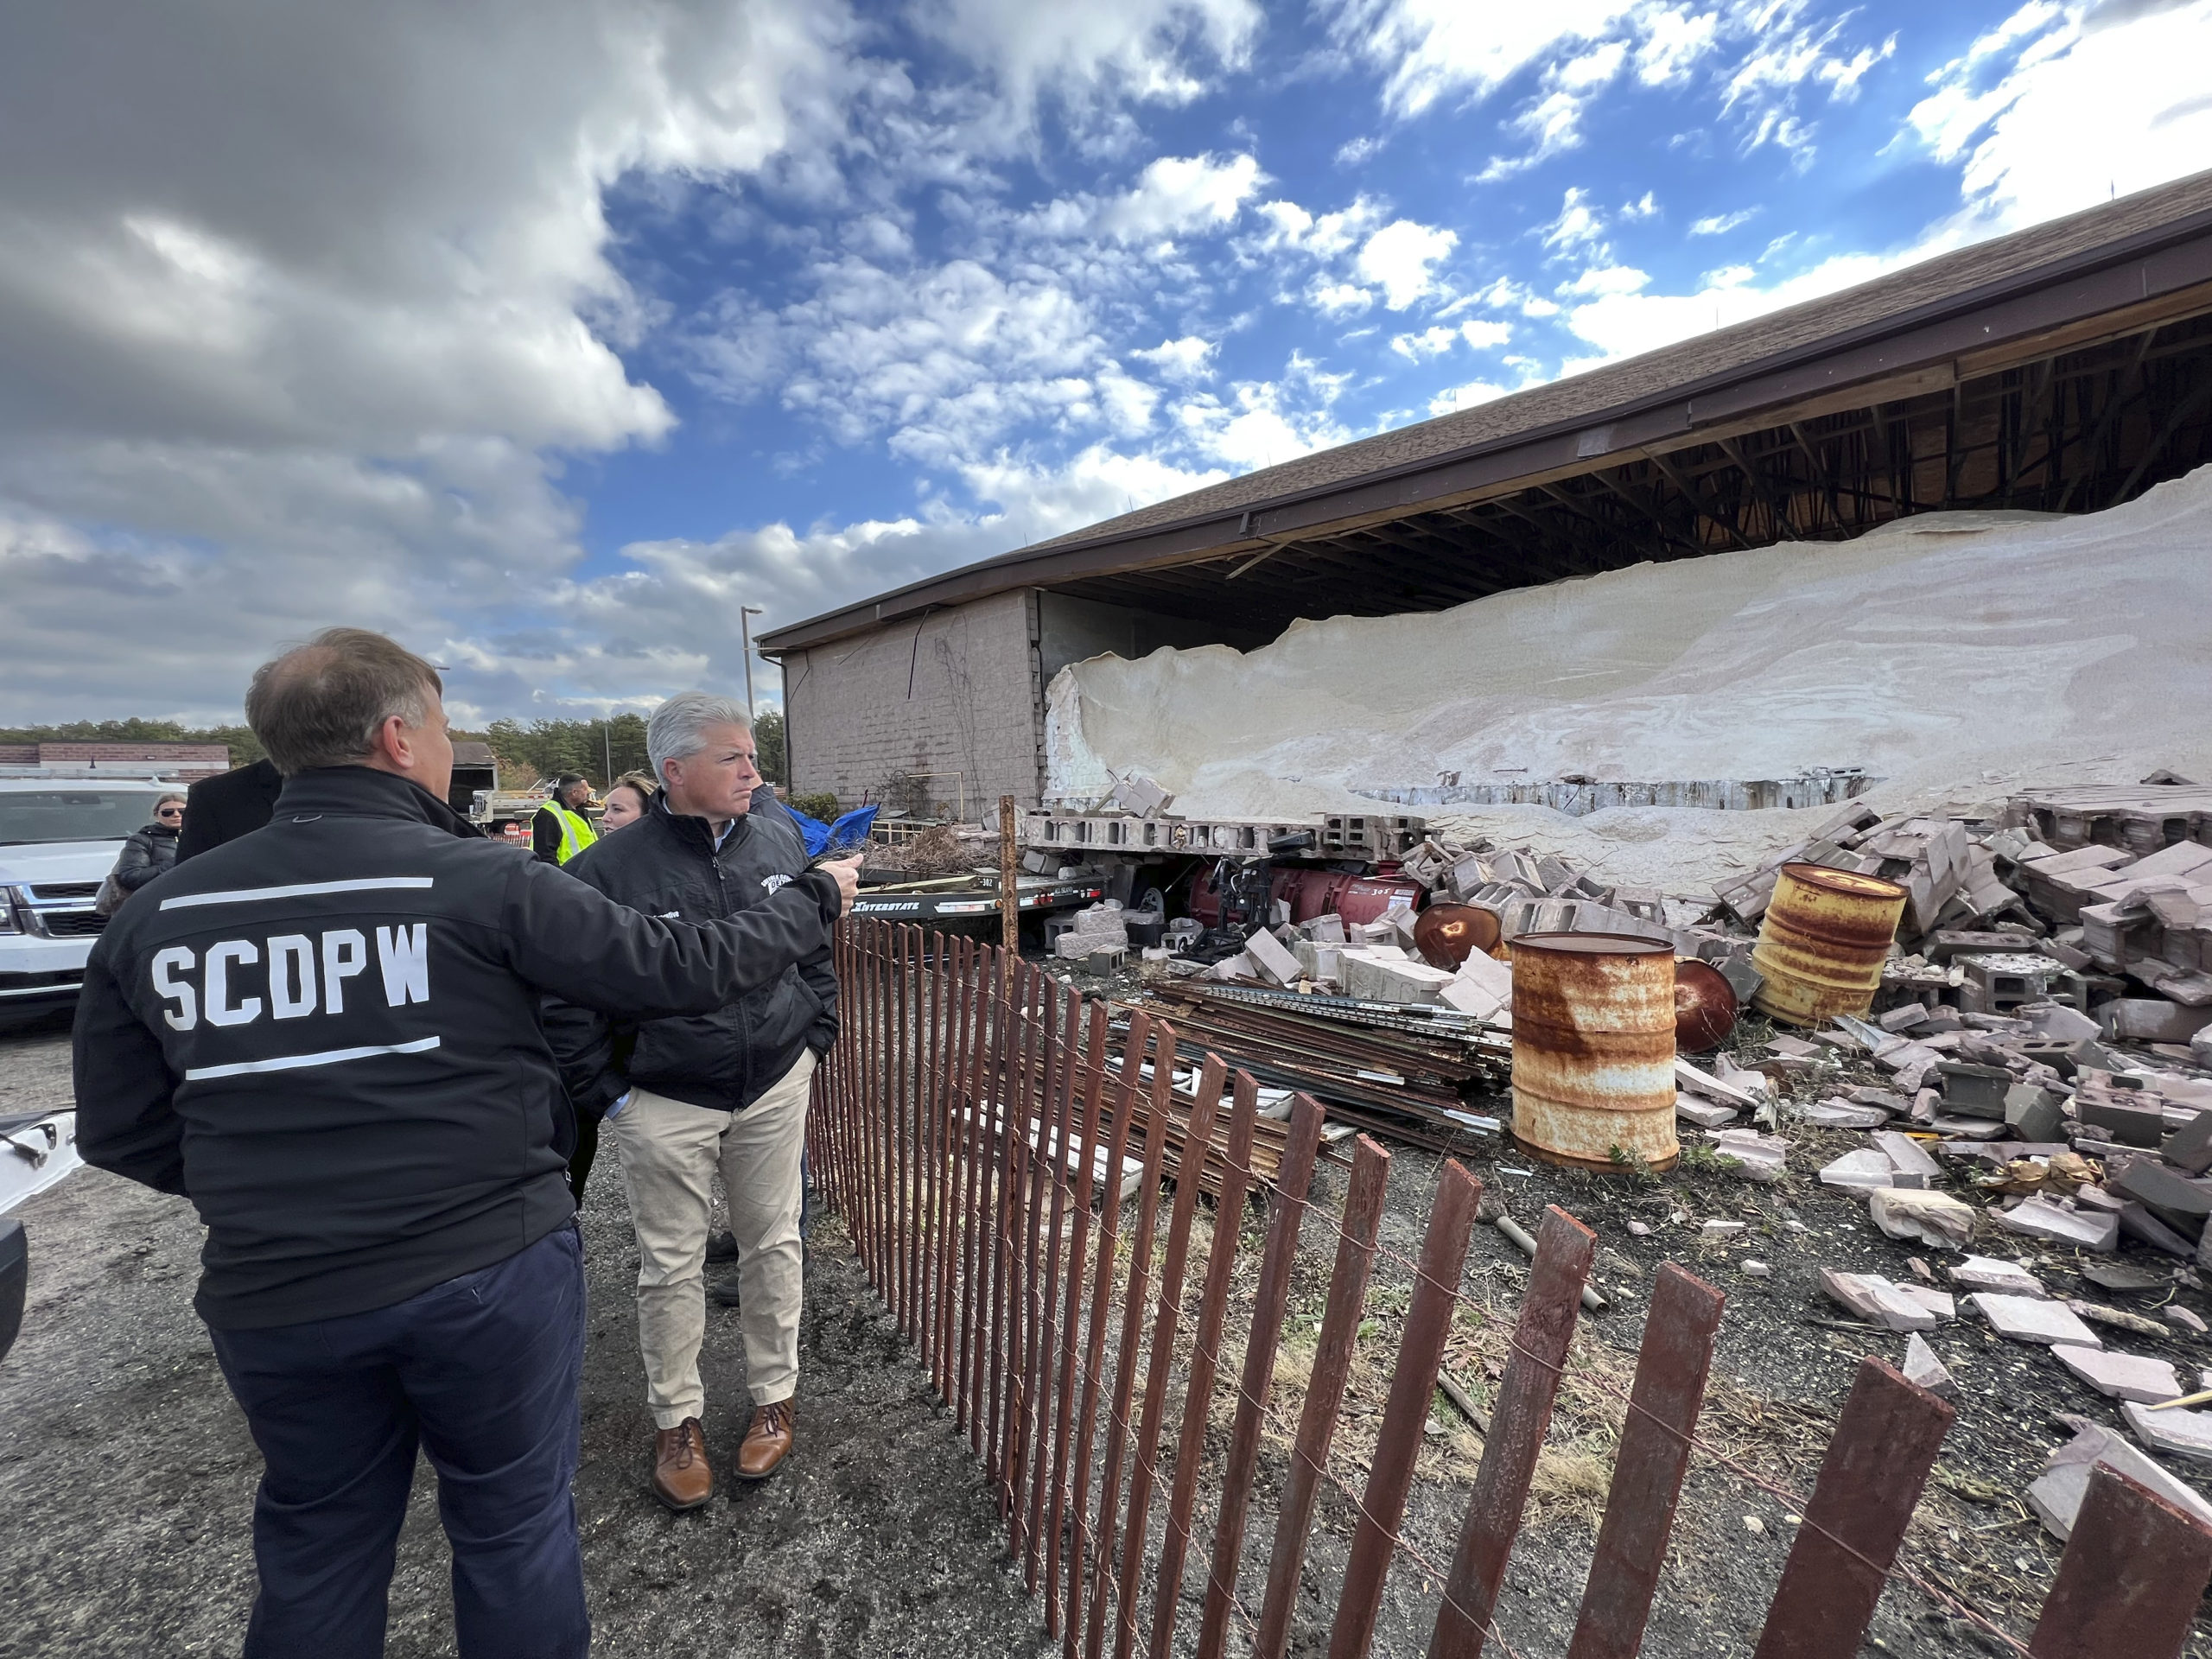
(577, 832)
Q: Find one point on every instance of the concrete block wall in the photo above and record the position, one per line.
(956, 692)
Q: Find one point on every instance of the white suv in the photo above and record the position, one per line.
(62, 830)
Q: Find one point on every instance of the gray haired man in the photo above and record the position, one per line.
(724, 1091)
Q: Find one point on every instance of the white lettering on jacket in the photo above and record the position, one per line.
(294, 988)
(221, 1011)
(406, 964)
(291, 976)
(167, 986)
(345, 953)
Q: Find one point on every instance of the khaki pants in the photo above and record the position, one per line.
(670, 1152)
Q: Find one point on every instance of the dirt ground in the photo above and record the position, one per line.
(127, 1476)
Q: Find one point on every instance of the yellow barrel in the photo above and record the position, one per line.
(1822, 942)
(1593, 1050)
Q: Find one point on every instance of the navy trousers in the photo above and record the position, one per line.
(481, 1372)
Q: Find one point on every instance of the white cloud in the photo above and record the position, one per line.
(1088, 55)
(1187, 359)
(1468, 395)
(1430, 342)
(1398, 259)
(1721, 224)
(1430, 49)
(1579, 224)
(290, 304)
(1263, 423)
(1176, 194)
(1607, 279)
(2091, 101)
(1484, 336)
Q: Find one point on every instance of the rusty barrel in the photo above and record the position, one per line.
(1593, 1049)
(1822, 942)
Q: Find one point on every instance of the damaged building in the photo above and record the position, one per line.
(2062, 370)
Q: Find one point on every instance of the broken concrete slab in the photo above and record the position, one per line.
(2038, 1217)
(2123, 1275)
(2179, 1433)
(1935, 1218)
(2182, 1319)
(2189, 1148)
(2056, 1496)
(1872, 1297)
(1275, 962)
(2173, 1198)
(1867, 1168)
(1705, 1113)
(1761, 1157)
(1704, 1082)
(1840, 1114)
(1940, 1303)
(1924, 1370)
(2004, 1278)
(2144, 1228)
(2123, 1376)
(2026, 1318)
(1908, 1158)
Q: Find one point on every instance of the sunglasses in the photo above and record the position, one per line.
(170, 812)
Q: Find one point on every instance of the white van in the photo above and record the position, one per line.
(62, 830)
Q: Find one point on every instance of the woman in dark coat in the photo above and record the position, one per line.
(151, 851)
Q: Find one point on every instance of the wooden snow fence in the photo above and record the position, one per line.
(966, 1127)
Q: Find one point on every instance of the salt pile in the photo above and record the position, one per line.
(1954, 655)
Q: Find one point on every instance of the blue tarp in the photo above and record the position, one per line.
(847, 834)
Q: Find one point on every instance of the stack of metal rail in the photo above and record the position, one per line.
(1404, 1071)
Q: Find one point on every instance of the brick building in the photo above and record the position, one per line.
(187, 762)
(2063, 369)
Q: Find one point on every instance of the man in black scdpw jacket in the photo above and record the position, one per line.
(725, 1091)
(326, 1034)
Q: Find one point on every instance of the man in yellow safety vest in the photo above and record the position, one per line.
(561, 831)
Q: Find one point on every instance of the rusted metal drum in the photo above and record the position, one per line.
(1705, 1007)
(1446, 935)
(1593, 1050)
(1822, 942)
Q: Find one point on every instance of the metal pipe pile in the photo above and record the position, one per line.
(1388, 1068)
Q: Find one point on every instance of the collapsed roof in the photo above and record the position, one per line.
(2064, 368)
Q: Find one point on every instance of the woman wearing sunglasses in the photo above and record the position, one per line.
(151, 851)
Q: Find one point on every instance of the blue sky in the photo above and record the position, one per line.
(546, 335)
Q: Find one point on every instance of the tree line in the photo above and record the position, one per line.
(601, 750)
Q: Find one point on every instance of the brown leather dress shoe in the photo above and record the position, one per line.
(767, 1443)
(683, 1479)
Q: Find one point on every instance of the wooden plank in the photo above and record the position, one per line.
(1565, 1249)
(1270, 1300)
(1404, 1413)
(1324, 1392)
(2133, 1572)
(1654, 1454)
(1886, 1443)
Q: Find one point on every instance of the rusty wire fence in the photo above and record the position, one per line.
(973, 1129)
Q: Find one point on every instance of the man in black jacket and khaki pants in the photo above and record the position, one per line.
(327, 1034)
(723, 1092)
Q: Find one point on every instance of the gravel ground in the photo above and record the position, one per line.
(127, 1476)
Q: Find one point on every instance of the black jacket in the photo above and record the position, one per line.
(224, 807)
(326, 1034)
(668, 865)
(148, 853)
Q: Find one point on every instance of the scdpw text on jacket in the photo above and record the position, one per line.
(326, 1034)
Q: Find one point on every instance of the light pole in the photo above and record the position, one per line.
(745, 632)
